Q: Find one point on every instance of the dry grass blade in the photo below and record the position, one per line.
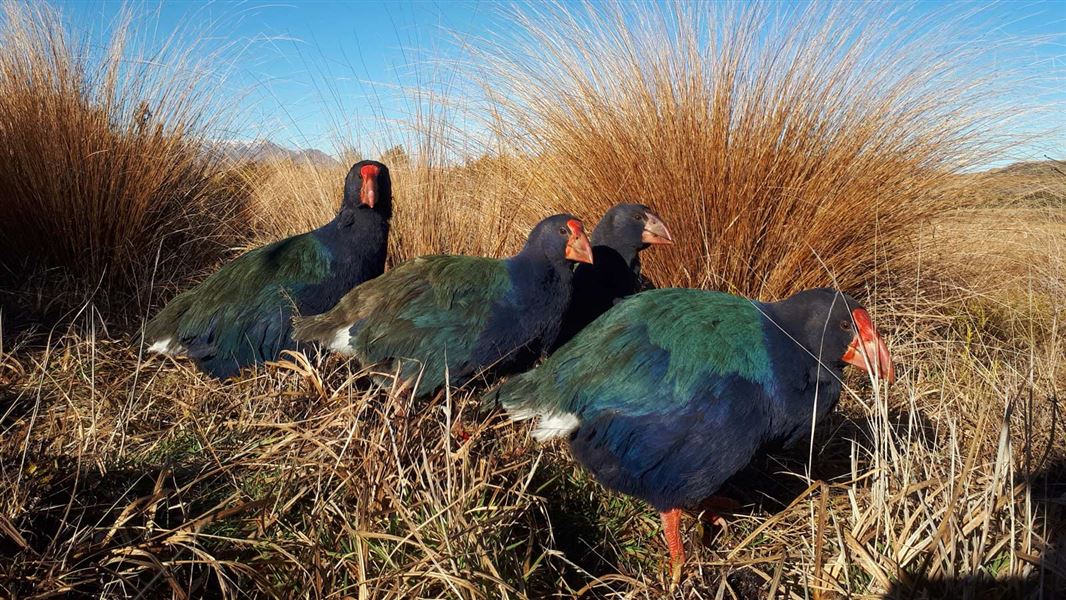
(104, 161)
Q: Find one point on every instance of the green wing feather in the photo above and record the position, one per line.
(646, 354)
(426, 309)
(225, 304)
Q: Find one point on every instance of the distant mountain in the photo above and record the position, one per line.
(265, 150)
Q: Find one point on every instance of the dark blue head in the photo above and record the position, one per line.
(834, 326)
(367, 187)
(628, 228)
(559, 238)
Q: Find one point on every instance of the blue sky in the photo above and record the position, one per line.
(305, 70)
(308, 70)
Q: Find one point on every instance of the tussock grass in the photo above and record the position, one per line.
(103, 167)
(282, 484)
(476, 207)
(782, 143)
(289, 197)
(1021, 185)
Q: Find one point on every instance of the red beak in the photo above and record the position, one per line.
(369, 189)
(867, 350)
(655, 231)
(578, 248)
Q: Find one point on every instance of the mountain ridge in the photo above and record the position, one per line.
(266, 150)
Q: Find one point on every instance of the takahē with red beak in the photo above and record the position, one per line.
(617, 240)
(460, 314)
(242, 314)
(672, 391)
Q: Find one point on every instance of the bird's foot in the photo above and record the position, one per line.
(675, 576)
(672, 571)
(713, 507)
(461, 433)
(708, 526)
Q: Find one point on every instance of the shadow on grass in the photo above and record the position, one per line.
(120, 534)
(577, 520)
(768, 486)
(1046, 482)
(773, 480)
(1048, 578)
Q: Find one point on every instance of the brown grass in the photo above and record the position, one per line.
(290, 197)
(781, 146)
(778, 157)
(1030, 185)
(103, 169)
(126, 476)
(438, 208)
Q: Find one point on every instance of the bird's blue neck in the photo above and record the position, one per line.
(541, 291)
(630, 253)
(342, 240)
(533, 274)
(806, 381)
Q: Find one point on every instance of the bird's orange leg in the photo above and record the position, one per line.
(672, 529)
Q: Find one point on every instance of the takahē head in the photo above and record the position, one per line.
(834, 327)
(366, 187)
(630, 227)
(559, 238)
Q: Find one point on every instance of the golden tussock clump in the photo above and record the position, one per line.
(104, 171)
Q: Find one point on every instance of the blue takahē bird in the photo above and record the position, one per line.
(463, 314)
(672, 391)
(242, 314)
(617, 240)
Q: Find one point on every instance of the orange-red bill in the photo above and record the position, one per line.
(867, 350)
(368, 191)
(578, 248)
(655, 231)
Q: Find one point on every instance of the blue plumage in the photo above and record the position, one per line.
(672, 391)
(679, 456)
(458, 316)
(241, 315)
(624, 231)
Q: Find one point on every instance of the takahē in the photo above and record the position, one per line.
(463, 314)
(242, 314)
(617, 240)
(674, 390)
